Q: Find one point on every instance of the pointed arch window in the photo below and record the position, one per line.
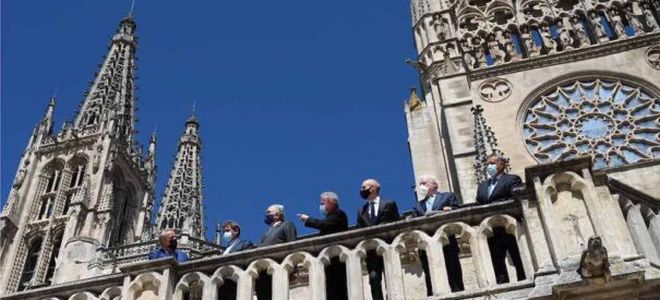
(30, 265)
(54, 181)
(52, 265)
(46, 207)
(77, 176)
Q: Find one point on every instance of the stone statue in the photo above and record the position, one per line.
(599, 29)
(580, 32)
(468, 57)
(565, 35)
(617, 23)
(526, 36)
(594, 261)
(548, 40)
(495, 47)
(650, 20)
(510, 48)
(634, 21)
(478, 51)
(440, 27)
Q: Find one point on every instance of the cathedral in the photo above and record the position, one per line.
(566, 91)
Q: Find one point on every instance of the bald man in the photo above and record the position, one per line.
(375, 212)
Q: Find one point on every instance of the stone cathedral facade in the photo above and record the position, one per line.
(539, 81)
(567, 90)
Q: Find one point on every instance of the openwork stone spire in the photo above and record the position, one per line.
(109, 103)
(181, 207)
(485, 143)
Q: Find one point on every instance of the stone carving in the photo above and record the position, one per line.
(607, 119)
(468, 54)
(548, 40)
(96, 161)
(653, 56)
(512, 53)
(495, 47)
(617, 23)
(565, 35)
(594, 261)
(599, 28)
(495, 90)
(477, 48)
(532, 49)
(580, 32)
(441, 27)
(650, 20)
(634, 21)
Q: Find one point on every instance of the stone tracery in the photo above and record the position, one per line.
(614, 121)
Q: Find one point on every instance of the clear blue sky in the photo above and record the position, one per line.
(294, 97)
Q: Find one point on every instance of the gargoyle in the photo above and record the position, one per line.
(594, 261)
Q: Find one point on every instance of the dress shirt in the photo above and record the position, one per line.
(376, 202)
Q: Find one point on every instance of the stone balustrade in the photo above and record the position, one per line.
(549, 220)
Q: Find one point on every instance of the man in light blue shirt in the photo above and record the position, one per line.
(168, 244)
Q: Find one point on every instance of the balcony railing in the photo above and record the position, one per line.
(547, 223)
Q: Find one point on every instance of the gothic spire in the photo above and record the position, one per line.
(181, 207)
(109, 103)
(485, 143)
(46, 124)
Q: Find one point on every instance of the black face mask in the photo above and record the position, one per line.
(365, 193)
(173, 244)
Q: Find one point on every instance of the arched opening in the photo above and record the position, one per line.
(52, 264)
(30, 265)
(228, 289)
(503, 245)
(263, 285)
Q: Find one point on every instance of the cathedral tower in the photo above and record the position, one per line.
(553, 80)
(83, 188)
(181, 207)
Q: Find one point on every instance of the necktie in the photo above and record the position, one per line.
(429, 204)
(372, 213)
(491, 186)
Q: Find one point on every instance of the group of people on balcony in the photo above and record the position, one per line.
(376, 211)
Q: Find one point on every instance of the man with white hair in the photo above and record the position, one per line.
(429, 200)
(279, 230)
(334, 221)
(168, 244)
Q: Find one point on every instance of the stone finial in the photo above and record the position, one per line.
(594, 262)
(485, 143)
(414, 101)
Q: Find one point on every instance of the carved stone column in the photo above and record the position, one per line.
(280, 282)
(438, 269)
(354, 276)
(639, 232)
(541, 260)
(244, 286)
(393, 275)
(317, 279)
(654, 230)
(482, 260)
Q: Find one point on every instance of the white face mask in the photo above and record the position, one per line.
(226, 236)
(491, 170)
(422, 190)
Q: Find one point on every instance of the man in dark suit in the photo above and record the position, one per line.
(375, 212)
(232, 238)
(335, 221)
(429, 200)
(499, 187)
(279, 231)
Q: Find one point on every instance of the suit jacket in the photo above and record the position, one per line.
(441, 200)
(502, 191)
(280, 233)
(333, 222)
(387, 212)
(239, 245)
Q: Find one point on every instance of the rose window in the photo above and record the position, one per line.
(614, 121)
